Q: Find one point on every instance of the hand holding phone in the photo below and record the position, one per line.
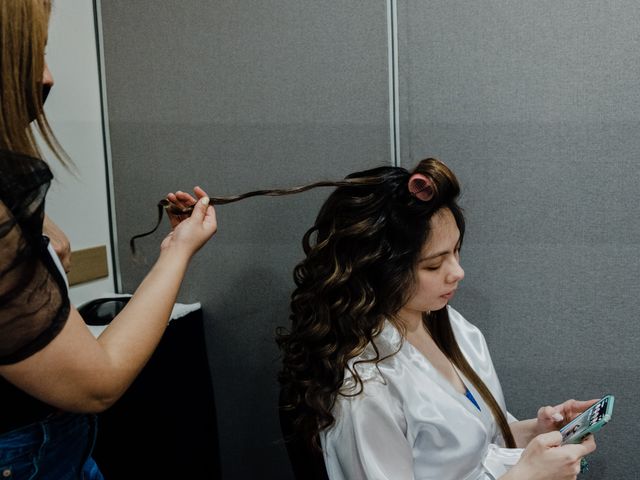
(589, 421)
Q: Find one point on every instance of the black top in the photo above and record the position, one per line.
(34, 302)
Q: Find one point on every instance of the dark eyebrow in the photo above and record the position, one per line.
(435, 255)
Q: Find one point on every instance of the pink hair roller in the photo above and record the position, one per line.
(421, 187)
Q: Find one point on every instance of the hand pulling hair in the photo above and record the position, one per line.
(170, 208)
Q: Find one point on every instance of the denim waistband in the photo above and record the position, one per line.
(56, 447)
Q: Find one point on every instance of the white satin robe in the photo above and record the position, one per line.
(410, 423)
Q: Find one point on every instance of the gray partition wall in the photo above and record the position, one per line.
(235, 96)
(536, 105)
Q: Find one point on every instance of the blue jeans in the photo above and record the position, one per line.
(58, 448)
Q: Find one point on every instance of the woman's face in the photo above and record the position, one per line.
(47, 78)
(438, 271)
(46, 84)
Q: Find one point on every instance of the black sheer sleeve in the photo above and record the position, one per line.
(34, 303)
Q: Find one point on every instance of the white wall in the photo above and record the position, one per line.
(78, 203)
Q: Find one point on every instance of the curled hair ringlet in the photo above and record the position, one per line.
(165, 205)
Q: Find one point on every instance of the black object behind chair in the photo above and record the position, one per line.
(307, 464)
(164, 426)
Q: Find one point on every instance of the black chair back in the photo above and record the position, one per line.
(165, 425)
(307, 463)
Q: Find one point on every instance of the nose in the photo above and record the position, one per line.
(47, 77)
(456, 273)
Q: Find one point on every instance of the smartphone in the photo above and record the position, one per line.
(589, 421)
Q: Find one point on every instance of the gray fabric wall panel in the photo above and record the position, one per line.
(235, 96)
(536, 106)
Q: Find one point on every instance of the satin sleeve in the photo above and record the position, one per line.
(369, 440)
(498, 460)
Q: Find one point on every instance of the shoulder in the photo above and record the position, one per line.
(470, 339)
(457, 318)
(379, 354)
(20, 174)
(373, 401)
(463, 327)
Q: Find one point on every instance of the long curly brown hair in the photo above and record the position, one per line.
(359, 270)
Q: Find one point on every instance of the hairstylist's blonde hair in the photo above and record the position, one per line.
(23, 38)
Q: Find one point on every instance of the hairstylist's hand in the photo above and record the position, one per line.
(553, 418)
(545, 459)
(59, 242)
(183, 200)
(192, 231)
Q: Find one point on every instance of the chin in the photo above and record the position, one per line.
(440, 305)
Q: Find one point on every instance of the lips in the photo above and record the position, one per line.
(449, 295)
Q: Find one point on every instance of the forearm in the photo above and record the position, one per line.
(515, 474)
(132, 336)
(77, 372)
(523, 431)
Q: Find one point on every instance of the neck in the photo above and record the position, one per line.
(412, 320)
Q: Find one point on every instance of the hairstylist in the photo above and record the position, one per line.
(54, 375)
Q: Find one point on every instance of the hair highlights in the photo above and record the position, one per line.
(358, 271)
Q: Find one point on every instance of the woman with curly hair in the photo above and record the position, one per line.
(379, 372)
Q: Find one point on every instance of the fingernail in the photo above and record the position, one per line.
(557, 417)
(205, 200)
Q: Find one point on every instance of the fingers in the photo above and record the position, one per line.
(199, 192)
(589, 443)
(550, 439)
(210, 213)
(183, 202)
(587, 446)
(573, 408)
(210, 219)
(200, 210)
(187, 206)
(59, 242)
(551, 414)
(190, 234)
(580, 406)
(181, 199)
